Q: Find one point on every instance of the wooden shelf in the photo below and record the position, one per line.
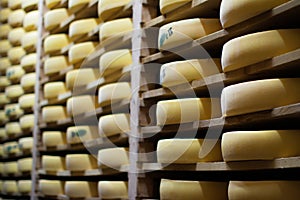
(61, 99)
(25, 133)
(57, 76)
(19, 176)
(15, 157)
(15, 196)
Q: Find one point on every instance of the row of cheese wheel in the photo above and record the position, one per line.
(26, 122)
(23, 165)
(17, 4)
(14, 187)
(23, 145)
(27, 62)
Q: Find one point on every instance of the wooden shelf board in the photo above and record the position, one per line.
(62, 98)
(57, 76)
(26, 133)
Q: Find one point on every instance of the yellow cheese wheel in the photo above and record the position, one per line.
(55, 64)
(115, 124)
(53, 138)
(115, 27)
(13, 110)
(4, 3)
(51, 187)
(53, 113)
(80, 162)
(14, 4)
(26, 4)
(113, 61)
(10, 187)
(113, 157)
(52, 3)
(11, 147)
(261, 190)
(81, 51)
(29, 40)
(53, 163)
(81, 189)
(54, 89)
(15, 36)
(53, 18)
(16, 18)
(170, 5)
(3, 117)
(187, 110)
(26, 143)
(2, 152)
(81, 77)
(15, 54)
(27, 121)
(183, 72)
(74, 5)
(234, 11)
(27, 101)
(11, 167)
(13, 128)
(3, 99)
(54, 43)
(5, 46)
(256, 47)
(25, 165)
(31, 21)
(79, 134)
(74, 105)
(187, 151)
(28, 80)
(4, 30)
(190, 190)
(1, 170)
(24, 186)
(3, 133)
(4, 64)
(82, 27)
(113, 189)
(1, 185)
(243, 98)
(4, 81)
(114, 92)
(260, 145)
(14, 91)
(109, 8)
(183, 31)
(28, 62)
(14, 73)
(4, 14)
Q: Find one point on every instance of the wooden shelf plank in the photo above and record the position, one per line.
(57, 76)
(62, 98)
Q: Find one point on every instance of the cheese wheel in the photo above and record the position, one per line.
(53, 138)
(187, 110)
(74, 105)
(54, 89)
(114, 92)
(3, 3)
(53, 113)
(27, 101)
(13, 110)
(31, 21)
(55, 64)
(15, 54)
(14, 4)
(3, 99)
(256, 47)
(25, 165)
(183, 72)
(27, 121)
(53, 18)
(4, 82)
(79, 134)
(113, 61)
(188, 151)
(5, 46)
(183, 31)
(29, 40)
(1, 186)
(74, 5)
(15, 36)
(14, 91)
(113, 189)
(115, 27)
(4, 65)
(115, 124)
(3, 134)
(13, 128)
(10, 187)
(260, 145)
(14, 73)
(170, 5)
(28, 62)
(4, 30)
(11, 147)
(53, 163)
(190, 190)
(81, 77)
(81, 51)
(4, 14)
(242, 98)
(109, 8)
(11, 167)
(113, 157)
(54, 43)
(1, 169)
(27, 4)
(80, 162)
(51, 187)
(2, 152)
(3, 117)
(24, 186)
(81, 189)
(82, 27)
(28, 81)
(26, 143)
(16, 18)
(261, 190)
(52, 3)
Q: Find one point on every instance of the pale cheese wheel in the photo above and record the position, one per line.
(53, 18)
(28, 62)
(13, 128)
(4, 81)
(55, 64)
(113, 61)
(30, 4)
(54, 43)
(75, 5)
(10, 187)
(15, 36)
(25, 165)
(52, 3)
(13, 110)
(27, 121)
(4, 14)
(15, 54)
(26, 143)
(188, 151)
(190, 190)
(81, 77)
(1, 169)
(14, 4)
(79, 52)
(115, 27)
(11, 168)
(3, 134)
(170, 5)
(260, 145)
(27, 101)
(14, 91)
(16, 18)
(256, 47)
(113, 189)
(187, 110)
(113, 158)
(109, 8)
(53, 163)
(79, 134)
(31, 21)
(4, 30)
(115, 124)
(183, 31)
(5, 46)
(243, 98)
(28, 81)
(2, 152)
(14, 73)
(3, 117)
(53, 113)
(114, 92)
(80, 162)
(51, 187)
(53, 138)
(3, 99)
(11, 147)
(4, 64)
(82, 27)
(54, 89)
(183, 72)
(261, 190)
(24, 186)
(29, 40)
(74, 105)
(81, 189)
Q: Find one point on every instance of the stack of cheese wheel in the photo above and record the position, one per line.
(113, 189)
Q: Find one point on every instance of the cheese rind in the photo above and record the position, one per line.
(74, 5)
(25, 165)
(27, 121)
(53, 18)
(11, 147)
(13, 110)
(53, 163)
(105, 157)
(54, 43)
(10, 187)
(79, 134)
(81, 77)
(55, 64)
(242, 98)
(74, 105)
(82, 27)
(4, 30)
(3, 133)
(80, 162)
(13, 128)
(53, 113)
(112, 93)
(4, 82)
(54, 89)
(27, 101)
(14, 73)
(14, 91)
(14, 4)
(79, 52)
(28, 62)
(81, 189)
(113, 189)
(28, 81)
(108, 8)
(110, 125)
(5, 46)
(26, 143)
(15, 36)
(16, 18)
(115, 27)
(51, 187)
(53, 138)
(24, 186)
(30, 22)
(4, 65)
(52, 3)
(4, 14)
(11, 168)
(170, 5)
(3, 99)
(15, 54)
(29, 41)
